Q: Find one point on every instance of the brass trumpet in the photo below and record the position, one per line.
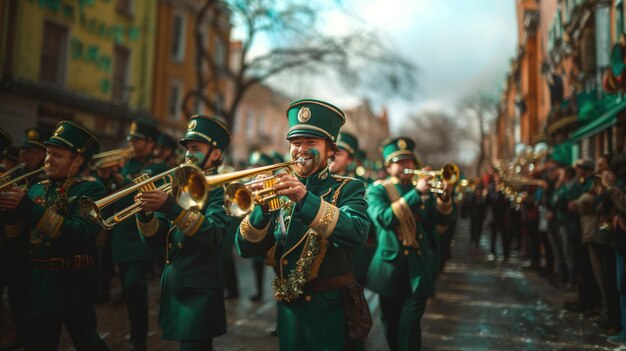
(185, 182)
(20, 182)
(109, 158)
(450, 173)
(239, 200)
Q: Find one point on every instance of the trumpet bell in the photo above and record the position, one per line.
(238, 200)
(451, 173)
(188, 187)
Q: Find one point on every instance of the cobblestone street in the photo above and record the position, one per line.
(479, 305)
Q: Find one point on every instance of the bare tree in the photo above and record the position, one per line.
(478, 113)
(296, 43)
(436, 136)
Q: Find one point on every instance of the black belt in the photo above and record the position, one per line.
(57, 263)
(324, 284)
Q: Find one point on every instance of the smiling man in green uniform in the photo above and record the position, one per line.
(309, 242)
(192, 301)
(405, 216)
(128, 251)
(62, 243)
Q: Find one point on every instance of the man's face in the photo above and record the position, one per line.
(396, 169)
(199, 151)
(314, 151)
(341, 162)
(60, 162)
(141, 148)
(32, 157)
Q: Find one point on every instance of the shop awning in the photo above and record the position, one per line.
(599, 124)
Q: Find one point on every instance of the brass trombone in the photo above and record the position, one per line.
(450, 173)
(109, 158)
(20, 182)
(239, 200)
(185, 182)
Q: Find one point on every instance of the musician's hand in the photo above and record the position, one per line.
(289, 186)
(10, 199)
(151, 200)
(424, 184)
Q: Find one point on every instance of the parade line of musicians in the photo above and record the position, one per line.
(326, 232)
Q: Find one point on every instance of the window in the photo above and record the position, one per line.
(175, 100)
(250, 125)
(53, 53)
(121, 61)
(178, 37)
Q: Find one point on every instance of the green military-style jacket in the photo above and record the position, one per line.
(126, 241)
(397, 270)
(192, 293)
(311, 321)
(57, 231)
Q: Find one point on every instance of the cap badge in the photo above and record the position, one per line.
(402, 144)
(32, 134)
(304, 115)
(192, 124)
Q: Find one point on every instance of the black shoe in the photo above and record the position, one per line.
(137, 345)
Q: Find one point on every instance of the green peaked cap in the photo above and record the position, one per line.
(314, 118)
(5, 140)
(348, 142)
(259, 159)
(71, 135)
(143, 129)
(35, 137)
(400, 148)
(208, 130)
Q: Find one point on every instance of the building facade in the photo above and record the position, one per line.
(88, 61)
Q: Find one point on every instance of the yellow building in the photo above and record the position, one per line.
(90, 61)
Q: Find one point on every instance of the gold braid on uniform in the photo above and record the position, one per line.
(189, 221)
(250, 233)
(50, 223)
(407, 226)
(148, 228)
(313, 252)
(288, 290)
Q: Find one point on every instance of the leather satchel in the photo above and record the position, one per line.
(358, 317)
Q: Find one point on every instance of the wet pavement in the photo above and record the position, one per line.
(480, 304)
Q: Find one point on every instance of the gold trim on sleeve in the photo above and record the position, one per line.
(326, 219)
(50, 223)
(188, 222)
(250, 233)
(149, 228)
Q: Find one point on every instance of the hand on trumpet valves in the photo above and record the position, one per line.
(289, 186)
(424, 183)
(151, 200)
(10, 199)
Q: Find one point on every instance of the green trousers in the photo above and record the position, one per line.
(135, 285)
(402, 321)
(80, 323)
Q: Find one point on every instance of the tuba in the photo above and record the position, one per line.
(185, 182)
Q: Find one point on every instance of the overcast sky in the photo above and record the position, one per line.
(459, 46)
